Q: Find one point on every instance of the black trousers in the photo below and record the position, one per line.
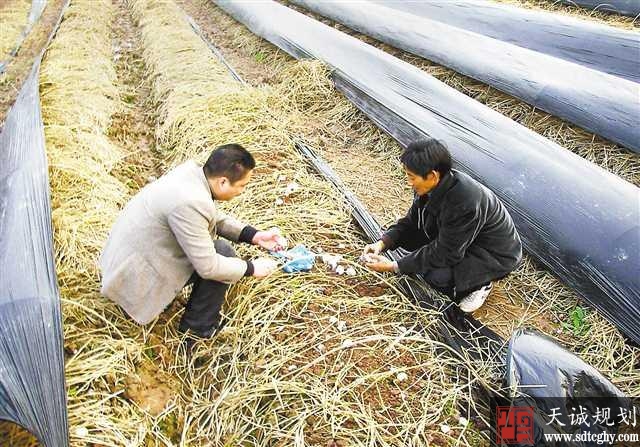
(201, 316)
(441, 279)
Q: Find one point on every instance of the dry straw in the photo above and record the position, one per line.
(267, 379)
(367, 161)
(79, 96)
(13, 17)
(595, 15)
(284, 371)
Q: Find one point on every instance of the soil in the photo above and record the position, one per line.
(150, 389)
(132, 127)
(248, 62)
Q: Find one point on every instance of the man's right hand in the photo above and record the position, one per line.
(373, 249)
(263, 267)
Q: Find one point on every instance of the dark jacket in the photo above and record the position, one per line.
(462, 225)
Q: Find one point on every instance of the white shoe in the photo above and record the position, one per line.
(475, 299)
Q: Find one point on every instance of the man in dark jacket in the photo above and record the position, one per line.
(459, 235)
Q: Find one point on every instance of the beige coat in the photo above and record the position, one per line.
(163, 234)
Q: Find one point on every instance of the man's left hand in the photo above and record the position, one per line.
(379, 263)
(271, 240)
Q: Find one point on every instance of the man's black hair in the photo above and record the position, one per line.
(423, 156)
(229, 160)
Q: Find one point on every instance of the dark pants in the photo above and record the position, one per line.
(202, 314)
(442, 280)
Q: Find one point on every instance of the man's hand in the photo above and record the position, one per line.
(271, 240)
(263, 267)
(373, 249)
(379, 263)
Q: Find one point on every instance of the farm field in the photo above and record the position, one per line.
(130, 89)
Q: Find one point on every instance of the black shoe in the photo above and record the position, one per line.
(215, 328)
(189, 345)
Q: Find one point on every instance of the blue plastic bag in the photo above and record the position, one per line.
(298, 259)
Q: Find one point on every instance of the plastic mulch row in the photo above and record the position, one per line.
(601, 103)
(600, 47)
(32, 383)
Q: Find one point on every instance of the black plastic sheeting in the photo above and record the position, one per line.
(37, 6)
(601, 103)
(624, 7)
(32, 384)
(544, 376)
(603, 48)
(579, 220)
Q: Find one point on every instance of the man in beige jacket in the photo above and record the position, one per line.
(165, 238)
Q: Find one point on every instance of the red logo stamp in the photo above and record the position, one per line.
(514, 425)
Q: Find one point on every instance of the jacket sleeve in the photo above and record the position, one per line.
(400, 233)
(191, 229)
(228, 227)
(458, 230)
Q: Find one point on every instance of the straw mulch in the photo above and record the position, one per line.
(367, 161)
(13, 17)
(20, 65)
(283, 372)
(79, 96)
(597, 16)
(304, 359)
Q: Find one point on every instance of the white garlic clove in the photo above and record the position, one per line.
(402, 376)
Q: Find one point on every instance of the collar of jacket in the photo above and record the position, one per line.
(435, 197)
(205, 181)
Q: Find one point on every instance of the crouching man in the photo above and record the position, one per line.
(165, 238)
(460, 236)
